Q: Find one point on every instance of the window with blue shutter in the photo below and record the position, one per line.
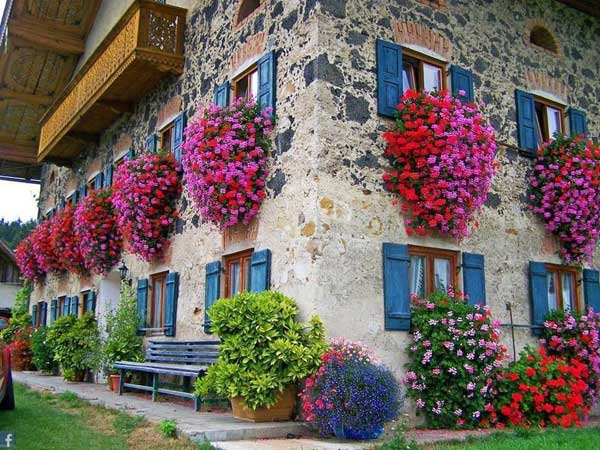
(34, 313)
(462, 80)
(178, 127)
(526, 122)
(90, 302)
(538, 291)
(171, 296)
(473, 267)
(66, 306)
(389, 77)
(396, 291)
(142, 304)
(108, 175)
(591, 289)
(75, 306)
(44, 314)
(53, 309)
(577, 122)
(267, 71)
(130, 155)
(222, 94)
(99, 181)
(212, 289)
(152, 143)
(260, 271)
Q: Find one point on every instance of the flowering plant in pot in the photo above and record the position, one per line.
(350, 395)
(20, 348)
(565, 193)
(264, 351)
(453, 361)
(146, 190)
(27, 261)
(442, 162)
(66, 245)
(45, 255)
(225, 161)
(95, 228)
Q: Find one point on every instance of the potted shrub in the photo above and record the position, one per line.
(122, 342)
(351, 395)
(264, 352)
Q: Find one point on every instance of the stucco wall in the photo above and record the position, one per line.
(7, 294)
(327, 215)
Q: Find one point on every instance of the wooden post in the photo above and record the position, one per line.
(154, 387)
(121, 381)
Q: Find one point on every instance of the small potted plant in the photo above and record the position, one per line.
(264, 351)
(122, 342)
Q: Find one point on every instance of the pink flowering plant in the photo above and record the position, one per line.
(442, 162)
(225, 161)
(146, 192)
(576, 336)
(95, 228)
(27, 261)
(453, 361)
(63, 240)
(351, 395)
(565, 194)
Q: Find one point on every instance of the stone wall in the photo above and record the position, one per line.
(327, 215)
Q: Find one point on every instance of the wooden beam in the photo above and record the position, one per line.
(45, 36)
(32, 99)
(18, 153)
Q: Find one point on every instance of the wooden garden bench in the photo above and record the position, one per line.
(188, 359)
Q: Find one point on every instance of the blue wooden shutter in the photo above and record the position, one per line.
(152, 143)
(172, 293)
(222, 94)
(526, 122)
(396, 290)
(473, 267)
(389, 77)
(75, 305)
(44, 314)
(66, 307)
(130, 154)
(34, 311)
(142, 305)
(577, 122)
(90, 302)
(108, 175)
(591, 289)
(177, 139)
(82, 192)
(538, 288)
(267, 76)
(99, 181)
(212, 289)
(260, 271)
(53, 309)
(462, 79)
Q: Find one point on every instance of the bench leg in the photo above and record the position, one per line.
(154, 387)
(121, 382)
(197, 403)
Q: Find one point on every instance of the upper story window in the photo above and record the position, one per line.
(431, 270)
(158, 283)
(246, 8)
(246, 84)
(421, 73)
(166, 137)
(549, 119)
(237, 273)
(542, 37)
(61, 311)
(562, 288)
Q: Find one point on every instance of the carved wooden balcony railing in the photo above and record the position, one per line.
(144, 46)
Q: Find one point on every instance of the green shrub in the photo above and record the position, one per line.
(263, 348)
(206, 446)
(76, 344)
(20, 318)
(43, 354)
(125, 423)
(168, 428)
(122, 342)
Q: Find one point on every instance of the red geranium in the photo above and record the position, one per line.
(46, 258)
(66, 245)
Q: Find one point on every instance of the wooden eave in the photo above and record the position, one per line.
(143, 47)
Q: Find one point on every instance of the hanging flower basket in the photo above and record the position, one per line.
(64, 242)
(442, 157)
(225, 161)
(27, 261)
(565, 194)
(146, 190)
(46, 258)
(95, 228)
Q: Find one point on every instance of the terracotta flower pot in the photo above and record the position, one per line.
(113, 382)
(282, 410)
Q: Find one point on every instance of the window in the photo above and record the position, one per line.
(237, 273)
(549, 119)
(421, 73)
(246, 85)
(541, 37)
(431, 270)
(562, 288)
(247, 7)
(61, 306)
(85, 304)
(166, 138)
(157, 300)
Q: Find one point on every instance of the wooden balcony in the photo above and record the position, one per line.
(144, 46)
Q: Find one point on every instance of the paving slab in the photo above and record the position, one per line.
(289, 444)
(198, 426)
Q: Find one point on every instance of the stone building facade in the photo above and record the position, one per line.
(327, 214)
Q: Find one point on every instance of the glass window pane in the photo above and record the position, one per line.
(441, 270)
(554, 123)
(408, 77)
(552, 291)
(254, 84)
(242, 87)
(234, 278)
(246, 274)
(417, 275)
(157, 303)
(432, 78)
(568, 291)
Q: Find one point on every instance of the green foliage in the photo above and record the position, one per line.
(206, 446)
(125, 423)
(399, 442)
(70, 399)
(168, 428)
(76, 344)
(20, 318)
(263, 348)
(43, 354)
(122, 342)
(13, 232)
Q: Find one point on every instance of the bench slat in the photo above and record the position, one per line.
(165, 342)
(195, 361)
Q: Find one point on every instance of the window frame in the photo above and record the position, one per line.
(545, 133)
(91, 183)
(168, 128)
(559, 270)
(421, 59)
(38, 314)
(60, 302)
(153, 278)
(239, 257)
(430, 254)
(84, 295)
(245, 74)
